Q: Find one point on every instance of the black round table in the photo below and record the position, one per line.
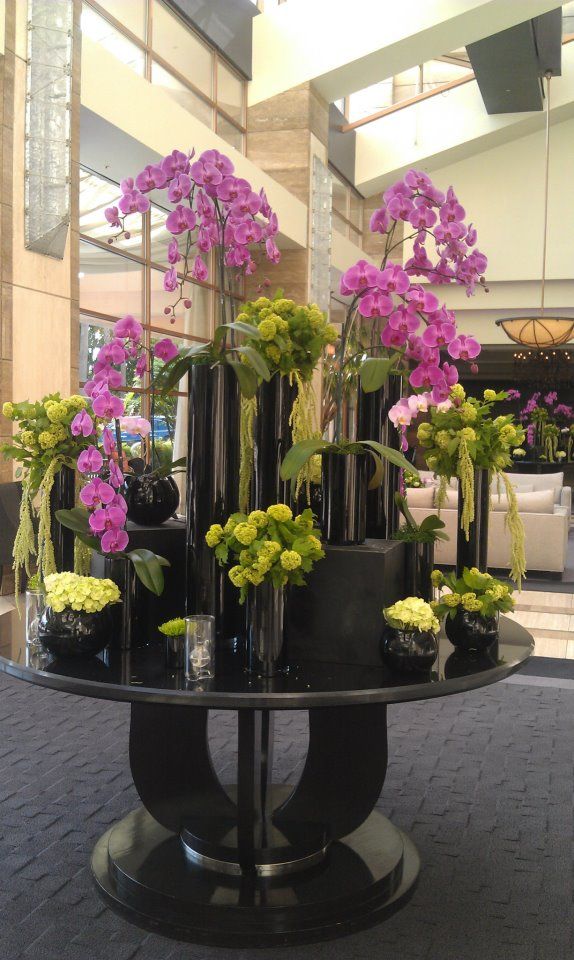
(257, 863)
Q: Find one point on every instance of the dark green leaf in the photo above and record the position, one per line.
(374, 372)
(75, 519)
(246, 328)
(298, 455)
(247, 378)
(379, 473)
(148, 567)
(256, 361)
(393, 456)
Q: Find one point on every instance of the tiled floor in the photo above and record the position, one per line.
(550, 618)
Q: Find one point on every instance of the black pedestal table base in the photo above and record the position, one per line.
(255, 864)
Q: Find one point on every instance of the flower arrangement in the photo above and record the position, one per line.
(74, 592)
(463, 435)
(46, 440)
(291, 340)
(428, 531)
(474, 592)
(270, 545)
(412, 480)
(406, 320)
(546, 421)
(173, 628)
(412, 614)
(209, 209)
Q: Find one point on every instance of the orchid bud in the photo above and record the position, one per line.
(167, 311)
(127, 234)
(187, 304)
(474, 368)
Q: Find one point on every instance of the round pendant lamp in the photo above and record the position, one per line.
(544, 329)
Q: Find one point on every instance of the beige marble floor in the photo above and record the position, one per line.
(550, 618)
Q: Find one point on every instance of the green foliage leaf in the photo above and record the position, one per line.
(299, 454)
(250, 330)
(75, 519)
(247, 378)
(379, 473)
(256, 361)
(374, 372)
(148, 567)
(393, 456)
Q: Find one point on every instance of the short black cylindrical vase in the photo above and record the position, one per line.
(265, 629)
(467, 630)
(343, 511)
(151, 499)
(74, 633)
(409, 651)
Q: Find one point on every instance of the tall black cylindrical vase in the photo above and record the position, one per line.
(374, 424)
(419, 562)
(474, 551)
(129, 627)
(63, 497)
(343, 510)
(271, 441)
(212, 494)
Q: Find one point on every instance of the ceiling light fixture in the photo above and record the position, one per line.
(544, 329)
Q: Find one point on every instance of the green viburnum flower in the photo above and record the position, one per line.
(442, 439)
(457, 392)
(468, 433)
(470, 602)
(412, 613)
(290, 559)
(280, 512)
(267, 329)
(173, 628)
(246, 533)
(214, 535)
(8, 409)
(437, 578)
(451, 599)
(70, 591)
(259, 518)
(490, 395)
(468, 413)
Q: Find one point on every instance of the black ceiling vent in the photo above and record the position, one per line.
(508, 66)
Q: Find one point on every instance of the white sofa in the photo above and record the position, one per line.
(544, 504)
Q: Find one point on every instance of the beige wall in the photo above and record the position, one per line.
(39, 294)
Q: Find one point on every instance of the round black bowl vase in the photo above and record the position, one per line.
(74, 633)
(410, 651)
(151, 499)
(469, 631)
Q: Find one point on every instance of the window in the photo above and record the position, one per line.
(126, 278)
(347, 209)
(162, 47)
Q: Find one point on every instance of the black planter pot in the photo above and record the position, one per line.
(151, 499)
(409, 651)
(382, 514)
(212, 495)
(271, 441)
(265, 630)
(343, 511)
(469, 631)
(63, 497)
(474, 551)
(175, 652)
(73, 633)
(419, 563)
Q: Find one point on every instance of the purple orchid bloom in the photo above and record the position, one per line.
(114, 541)
(199, 271)
(107, 518)
(152, 177)
(128, 328)
(107, 406)
(426, 375)
(90, 460)
(179, 188)
(375, 305)
(464, 348)
(170, 281)
(165, 350)
(393, 338)
(359, 277)
(108, 442)
(176, 162)
(180, 220)
(401, 319)
(380, 220)
(112, 216)
(116, 475)
(439, 334)
(96, 492)
(82, 424)
(393, 279)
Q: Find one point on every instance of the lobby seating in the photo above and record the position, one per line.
(544, 505)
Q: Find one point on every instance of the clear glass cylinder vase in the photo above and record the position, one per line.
(35, 604)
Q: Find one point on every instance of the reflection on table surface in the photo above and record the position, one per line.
(145, 668)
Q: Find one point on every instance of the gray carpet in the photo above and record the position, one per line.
(484, 782)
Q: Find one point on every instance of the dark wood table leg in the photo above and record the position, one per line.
(256, 864)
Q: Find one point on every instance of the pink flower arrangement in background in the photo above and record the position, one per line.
(212, 209)
(417, 326)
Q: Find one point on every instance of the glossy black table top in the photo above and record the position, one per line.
(141, 675)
